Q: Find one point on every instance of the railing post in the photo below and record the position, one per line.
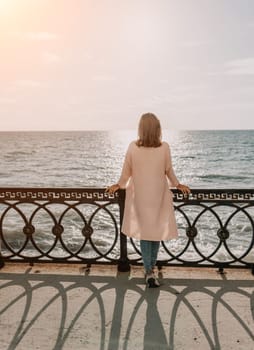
(123, 264)
(1, 258)
(1, 262)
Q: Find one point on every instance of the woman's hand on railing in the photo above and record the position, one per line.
(184, 189)
(112, 189)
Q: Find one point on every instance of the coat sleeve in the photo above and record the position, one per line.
(126, 169)
(169, 168)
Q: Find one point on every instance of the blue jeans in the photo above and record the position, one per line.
(149, 251)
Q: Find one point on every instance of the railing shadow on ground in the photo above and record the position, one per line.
(118, 312)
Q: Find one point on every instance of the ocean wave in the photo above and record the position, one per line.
(187, 157)
(15, 154)
(222, 177)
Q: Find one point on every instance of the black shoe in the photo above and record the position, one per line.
(152, 281)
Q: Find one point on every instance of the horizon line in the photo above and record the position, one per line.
(115, 130)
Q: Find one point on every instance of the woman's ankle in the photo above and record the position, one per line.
(148, 271)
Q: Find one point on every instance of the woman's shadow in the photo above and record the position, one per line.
(154, 333)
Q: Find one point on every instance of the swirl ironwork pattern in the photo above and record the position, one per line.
(83, 225)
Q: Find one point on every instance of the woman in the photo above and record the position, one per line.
(147, 174)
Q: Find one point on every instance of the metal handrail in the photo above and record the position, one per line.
(88, 205)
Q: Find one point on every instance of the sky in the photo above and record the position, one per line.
(101, 64)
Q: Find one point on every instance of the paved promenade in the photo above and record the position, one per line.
(70, 307)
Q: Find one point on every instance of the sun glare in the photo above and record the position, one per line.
(5, 4)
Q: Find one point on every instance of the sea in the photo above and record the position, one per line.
(201, 159)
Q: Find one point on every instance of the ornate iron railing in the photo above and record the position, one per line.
(82, 225)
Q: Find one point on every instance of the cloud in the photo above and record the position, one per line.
(87, 56)
(244, 66)
(28, 83)
(7, 101)
(192, 43)
(38, 36)
(103, 77)
(186, 68)
(50, 57)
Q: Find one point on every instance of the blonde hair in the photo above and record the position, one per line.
(149, 131)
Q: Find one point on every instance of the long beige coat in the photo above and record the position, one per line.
(147, 175)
